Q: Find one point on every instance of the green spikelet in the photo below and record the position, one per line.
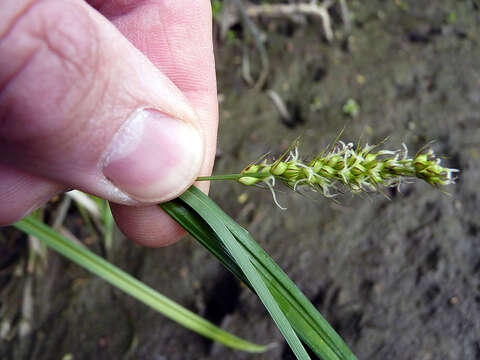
(359, 170)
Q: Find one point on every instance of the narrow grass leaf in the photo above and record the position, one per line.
(108, 226)
(201, 231)
(242, 258)
(307, 322)
(132, 286)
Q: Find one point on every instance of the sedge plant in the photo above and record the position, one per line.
(345, 167)
(340, 167)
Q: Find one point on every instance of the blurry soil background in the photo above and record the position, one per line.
(398, 279)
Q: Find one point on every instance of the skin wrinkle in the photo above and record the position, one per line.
(44, 143)
(45, 37)
(85, 60)
(43, 29)
(179, 71)
(67, 126)
(166, 45)
(69, 61)
(24, 192)
(142, 34)
(10, 77)
(6, 109)
(8, 27)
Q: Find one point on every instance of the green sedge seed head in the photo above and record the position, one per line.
(327, 171)
(266, 171)
(370, 164)
(358, 170)
(279, 168)
(248, 180)
(421, 159)
(251, 169)
(317, 166)
(306, 171)
(333, 161)
(370, 158)
(292, 171)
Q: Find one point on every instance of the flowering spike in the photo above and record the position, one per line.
(344, 165)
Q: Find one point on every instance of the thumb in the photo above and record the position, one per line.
(82, 107)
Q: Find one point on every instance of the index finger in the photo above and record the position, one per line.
(176, 35)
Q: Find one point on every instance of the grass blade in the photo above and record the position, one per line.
(199, 228)
(307, 322)
(132, 286)
(242, 258)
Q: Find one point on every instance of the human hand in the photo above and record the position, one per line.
(116, 98)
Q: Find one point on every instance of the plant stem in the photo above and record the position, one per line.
(228, 177)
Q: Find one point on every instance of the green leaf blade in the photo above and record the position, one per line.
(312, 328)
(242, 258)
(132, 286)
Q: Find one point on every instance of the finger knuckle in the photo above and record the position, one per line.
(51, 55)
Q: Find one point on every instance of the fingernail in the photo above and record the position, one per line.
(153, 157)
